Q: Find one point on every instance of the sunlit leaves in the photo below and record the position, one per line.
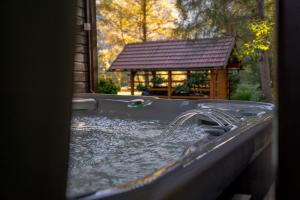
(262, 34)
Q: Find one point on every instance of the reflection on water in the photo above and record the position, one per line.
(106, 152)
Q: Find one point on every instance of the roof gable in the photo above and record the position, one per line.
(175, 54)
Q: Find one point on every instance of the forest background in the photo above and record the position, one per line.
(251, 22)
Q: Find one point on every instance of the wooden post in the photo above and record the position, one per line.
(188, 74)
(169, 84)
(146, 78)
(153, 76)
(222, 84)
(132, 73)
(92, 45)
(212, 85)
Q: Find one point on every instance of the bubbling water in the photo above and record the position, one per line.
(107, 152)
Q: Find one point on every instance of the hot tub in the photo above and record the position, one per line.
(149, 148)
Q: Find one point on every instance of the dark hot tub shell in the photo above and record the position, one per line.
(238, 162)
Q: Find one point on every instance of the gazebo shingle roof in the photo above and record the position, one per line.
(175, 54)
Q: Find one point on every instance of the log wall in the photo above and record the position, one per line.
(85, 50)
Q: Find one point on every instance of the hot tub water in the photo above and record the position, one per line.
(106, 152)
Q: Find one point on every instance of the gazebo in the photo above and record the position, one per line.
(189, 69)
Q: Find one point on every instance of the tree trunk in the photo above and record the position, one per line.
(144, 20)
(265, 75)
(263, 61)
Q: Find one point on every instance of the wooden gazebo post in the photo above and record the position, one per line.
(153, 76)
(212, 84)
(188, 74)
(147, 79)
(169, 84)
(223, 84)
(132, 74)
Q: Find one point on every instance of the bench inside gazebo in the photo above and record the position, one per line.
(186, 69)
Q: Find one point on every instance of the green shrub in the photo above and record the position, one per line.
(107, 86)
(234, 78)
(243, 92)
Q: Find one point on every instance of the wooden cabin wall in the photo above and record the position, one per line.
(85, 51)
